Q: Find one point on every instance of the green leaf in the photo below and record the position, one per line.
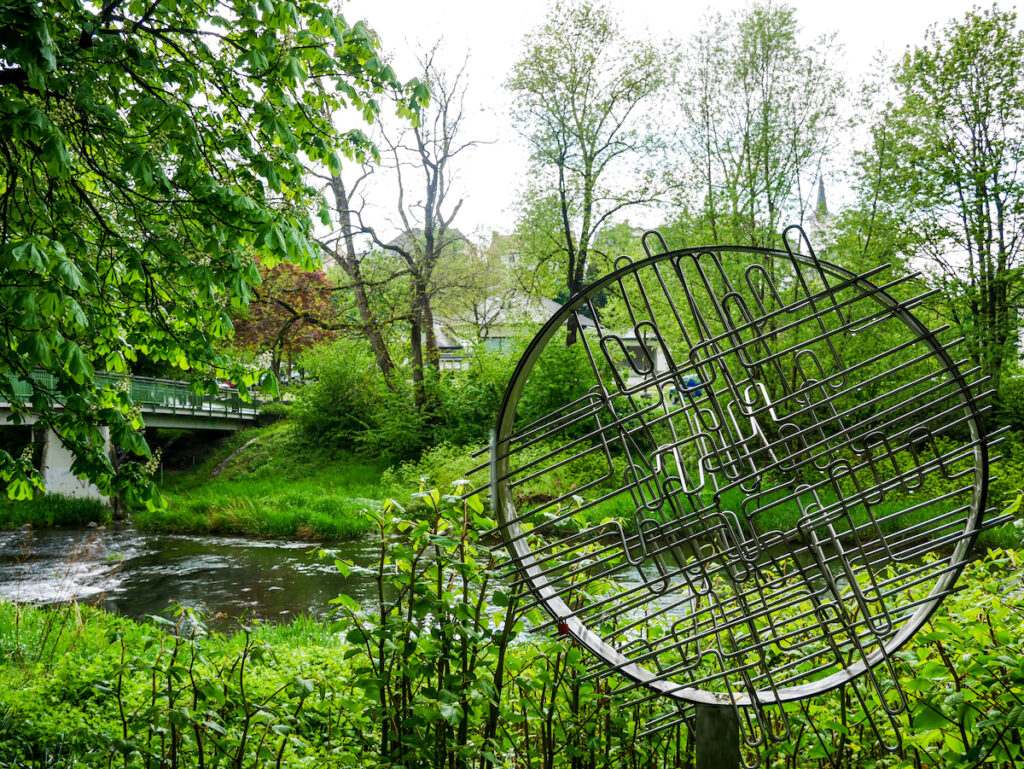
(36, 348)
(55, 155)
(75, 363)
(268, 384)
(349, 603)
(928, 715)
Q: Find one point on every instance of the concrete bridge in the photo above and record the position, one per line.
(164, 403)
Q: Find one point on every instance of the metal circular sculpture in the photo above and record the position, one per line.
(793, 467)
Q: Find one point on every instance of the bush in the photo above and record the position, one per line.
(438, 466)
(341, 403)
(470, 398)
(397, 430)
(349, 406)
(560, 376)
(274, 411)
(1009, 405)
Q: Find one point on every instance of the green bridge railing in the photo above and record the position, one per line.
(163, 395)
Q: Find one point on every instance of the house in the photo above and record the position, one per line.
(497, 322)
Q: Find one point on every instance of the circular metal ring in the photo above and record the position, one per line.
(802, 467)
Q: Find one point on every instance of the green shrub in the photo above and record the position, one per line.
(274, 412)
(341, 402)
(470, 398)
(441, 671)
(350, 407)
(438, 466)
(397, 429)
(1009, 404)
(560, 376)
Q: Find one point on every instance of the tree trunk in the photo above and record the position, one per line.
(416, 355)
(349, 262)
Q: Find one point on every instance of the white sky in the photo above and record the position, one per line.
(491, 33)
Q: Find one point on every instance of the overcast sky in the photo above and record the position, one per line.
(491, 34)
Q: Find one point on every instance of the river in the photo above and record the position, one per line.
(139, 573)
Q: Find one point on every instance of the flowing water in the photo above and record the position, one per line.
(139, 573)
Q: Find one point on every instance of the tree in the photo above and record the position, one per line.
(150, 151)
(420, 159)
(291, 310)
(579, 92)
(340, 246)
(945, 165)
(480, 295)
(760, 112)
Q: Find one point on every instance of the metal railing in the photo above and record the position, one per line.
(156, 395)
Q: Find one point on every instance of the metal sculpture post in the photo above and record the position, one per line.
(796, 468)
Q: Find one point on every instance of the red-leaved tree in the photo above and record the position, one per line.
(291, 310)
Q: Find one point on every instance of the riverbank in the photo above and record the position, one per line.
(86, 688)
(272, 482)
(265, 482)
(269, 482)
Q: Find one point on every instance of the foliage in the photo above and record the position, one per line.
(963, 679)
(470, 397)
(291, 310)
(350, 406)
(325, 497)
(449, 675)
(561, 375)
(445, 670)
(166, 693)
(421, 163)
(944, 160)
(275, 411)
(1011, 399)
(760, 114)
(439, 466)
(429, 151)
(580, 89)
(150, 150)
(482, 298)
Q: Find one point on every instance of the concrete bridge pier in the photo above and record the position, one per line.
(56, 468)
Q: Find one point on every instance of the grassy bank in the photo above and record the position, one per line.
(277, 485)
(274, 482)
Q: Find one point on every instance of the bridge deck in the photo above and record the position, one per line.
(164, 402)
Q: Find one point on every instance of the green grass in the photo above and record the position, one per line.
(784, 516)
(278, 486)
(47, 510)
(40, 636)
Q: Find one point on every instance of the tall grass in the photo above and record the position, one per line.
(284, 514)
(893, 514)
(52, 510)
